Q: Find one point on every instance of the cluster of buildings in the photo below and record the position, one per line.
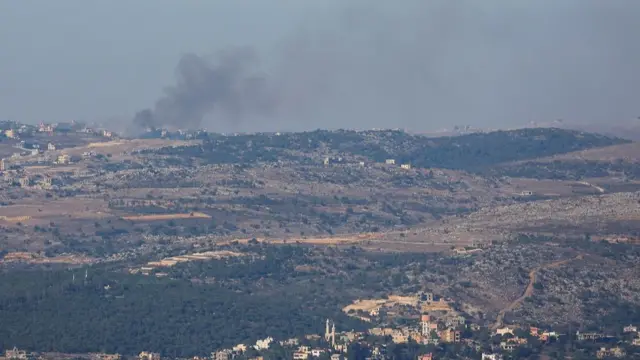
(34, 148)
(393, 162)
(335, 345)
(180, 134)
(34, 151)
(338, 160)
(13, 130)
(511, 341)
(429, 331)
(73, 126)
(630, 329)
(616, 352)
(24, 180)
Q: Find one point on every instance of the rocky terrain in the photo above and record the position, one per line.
(299, 185)
(482, 220)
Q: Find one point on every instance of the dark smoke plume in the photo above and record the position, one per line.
(424, 65)
(227, 86)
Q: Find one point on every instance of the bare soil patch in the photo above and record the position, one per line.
(157, 217)
(34, 258)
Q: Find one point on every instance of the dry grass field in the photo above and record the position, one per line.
(34, 211)
(14, 219)
(131, 145)
(35, 258)
(549, 188)
(627, 152)
(173, 260)
(160, 217)
(372, 306)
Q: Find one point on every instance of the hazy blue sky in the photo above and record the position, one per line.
(411, 63)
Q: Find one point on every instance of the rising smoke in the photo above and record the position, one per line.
(227, 84)
(421, 65)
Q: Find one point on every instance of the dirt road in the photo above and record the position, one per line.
(600, 189)
(529, 290)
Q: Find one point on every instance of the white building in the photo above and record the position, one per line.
(317, 352)
(16, 354)
(263, 344)
(505, 330)
(630, 328)
(240, 348)
(145, 355)
(491, 356)
(425, 326)
(300, 356)
(290, 342)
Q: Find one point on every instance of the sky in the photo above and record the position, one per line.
(415, 64)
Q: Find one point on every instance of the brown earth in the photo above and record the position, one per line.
(529, 290)
(156, 217)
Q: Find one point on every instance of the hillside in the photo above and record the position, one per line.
(616, 161)
(195, 307)
(628, 152)
(466, 152)
(276, 186)
(190, 240)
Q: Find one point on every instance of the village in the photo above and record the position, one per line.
(434, 336)
(336, 345)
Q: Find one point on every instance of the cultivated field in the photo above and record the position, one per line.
(34, 211)
(173, 260)
(34, 258)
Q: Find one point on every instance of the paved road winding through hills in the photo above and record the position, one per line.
(529, 290)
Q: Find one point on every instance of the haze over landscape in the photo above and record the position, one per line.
(331, 64)
(319, 180)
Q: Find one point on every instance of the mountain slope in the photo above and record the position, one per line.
(470, 152)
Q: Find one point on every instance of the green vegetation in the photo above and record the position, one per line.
(287, 291)
(469, 152)
(282, 292)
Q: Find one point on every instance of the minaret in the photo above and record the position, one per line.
(326, 331)
(333, 335)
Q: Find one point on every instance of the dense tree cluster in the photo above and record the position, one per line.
(282, 291)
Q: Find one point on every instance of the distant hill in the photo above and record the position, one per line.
(478, 150)
(628, 152)
(469, 152)
(627, 130)
(619, 161)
